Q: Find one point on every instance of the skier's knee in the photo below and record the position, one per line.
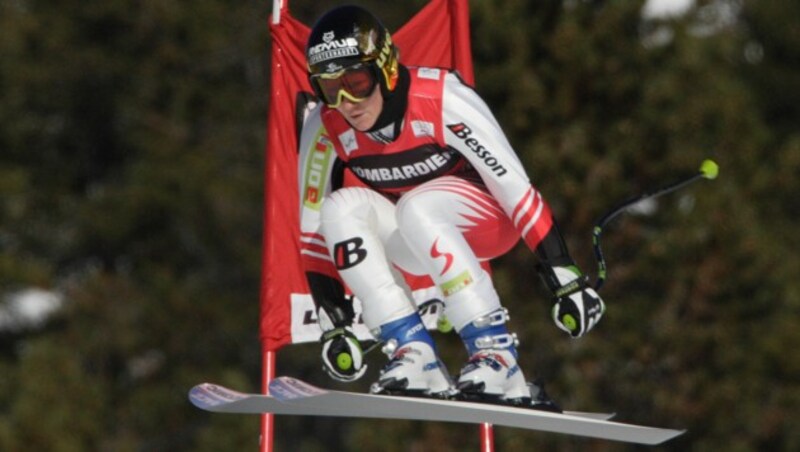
(340, 204)
(413, 210)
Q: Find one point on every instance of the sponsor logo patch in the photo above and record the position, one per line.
(349, 253)
(429, 73)
(349, 142)
(457, 284)
(463, 132)
(316, 171)
(436, 253)
(422, 128)
(407, 172)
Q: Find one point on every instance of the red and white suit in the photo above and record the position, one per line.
(446, 194)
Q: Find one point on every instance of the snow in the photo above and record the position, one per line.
(662, 9)
(28, 308)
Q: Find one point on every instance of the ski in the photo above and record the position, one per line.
(290, 396)
(217, 398)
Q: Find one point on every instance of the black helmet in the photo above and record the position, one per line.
(349, 35)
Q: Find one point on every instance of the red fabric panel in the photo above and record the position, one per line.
(438, 35)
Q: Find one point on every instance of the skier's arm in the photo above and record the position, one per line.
(471, 129)
(342, 356)
(319, 173)
(317, 164)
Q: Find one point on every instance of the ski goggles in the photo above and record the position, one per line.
(354, 83)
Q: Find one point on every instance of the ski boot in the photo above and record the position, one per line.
(414, 368)
(492, 374)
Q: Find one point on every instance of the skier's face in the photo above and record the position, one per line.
(362, 115)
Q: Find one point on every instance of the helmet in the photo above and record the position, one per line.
(346, 37)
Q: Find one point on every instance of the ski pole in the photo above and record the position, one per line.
(708, 170)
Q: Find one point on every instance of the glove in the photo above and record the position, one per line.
(342, 357)
(577, 307)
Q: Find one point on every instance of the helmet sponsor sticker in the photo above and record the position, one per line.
(386, 51)
(332, 48)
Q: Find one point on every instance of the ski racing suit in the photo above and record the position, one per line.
(441, 191)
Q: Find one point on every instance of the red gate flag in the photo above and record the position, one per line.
(438, 35)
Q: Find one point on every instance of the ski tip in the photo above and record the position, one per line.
(288, 388)
(207, 396)
(669, 434)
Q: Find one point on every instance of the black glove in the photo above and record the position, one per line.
(342, 357)
(577, 307)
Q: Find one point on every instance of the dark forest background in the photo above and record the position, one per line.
(132, 138)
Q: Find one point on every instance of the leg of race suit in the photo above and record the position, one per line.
(451, 224)
(357, 223)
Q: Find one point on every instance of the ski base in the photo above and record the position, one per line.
(289, 396)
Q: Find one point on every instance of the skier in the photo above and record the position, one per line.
(441, 192)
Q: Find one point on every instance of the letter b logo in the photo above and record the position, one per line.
(349, 253)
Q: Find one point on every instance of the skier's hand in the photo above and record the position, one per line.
(577, 307)
(578, 312)
(342, 357)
